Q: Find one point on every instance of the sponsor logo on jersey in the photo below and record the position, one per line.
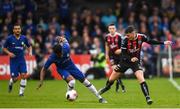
(21, 48)
(133, 50)
(113, 46)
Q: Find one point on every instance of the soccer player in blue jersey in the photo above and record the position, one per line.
(66, 68)
(14, 46)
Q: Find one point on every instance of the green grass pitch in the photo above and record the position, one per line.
(52, 94)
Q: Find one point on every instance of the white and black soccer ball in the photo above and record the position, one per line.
(71, 95)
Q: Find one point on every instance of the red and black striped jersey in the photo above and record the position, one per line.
(132, 48)
(114, 42)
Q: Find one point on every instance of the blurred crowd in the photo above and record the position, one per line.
(85, 28)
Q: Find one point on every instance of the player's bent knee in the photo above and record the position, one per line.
(24, 76)
(140, 76)
(69, 78)
(82, 80)
(15, 79)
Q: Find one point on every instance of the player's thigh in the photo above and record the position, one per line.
(114, 76)
(120, 68)
(140, 76)
(64, 74)
(76, 73)
(23, 70)
(135, 66)
(14, 69)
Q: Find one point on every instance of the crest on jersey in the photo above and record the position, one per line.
(139, 42)
(108, 39)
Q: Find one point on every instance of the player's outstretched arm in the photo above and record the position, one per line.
(42, 73)
(155, 42)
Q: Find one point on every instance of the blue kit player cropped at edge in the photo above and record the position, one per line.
(14, 46)
(66, 68)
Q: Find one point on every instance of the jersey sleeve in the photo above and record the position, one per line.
(27, 42)
(124, 43)
(150, 41)
(6, 44)
(119, 41)
(106, 38)
(48, 62)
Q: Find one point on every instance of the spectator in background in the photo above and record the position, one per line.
(109, 18)
(165, 23)
(8, 21)
(131, 19)
(143, 28)
(65, 31)
(19, 6)
(31, 6)
(54, 24)
(64, 11)
(118, 9)
(128, 8)
(86, 43)
(147, 60)
(30, 25)
(121, 25)
(43, 24)
(7, 6)
(19, 19)
(98, 59)
(175, 25)
(52, 8)
(3, 35)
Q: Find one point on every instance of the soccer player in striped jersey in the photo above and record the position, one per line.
(130, 57)
(113, 48)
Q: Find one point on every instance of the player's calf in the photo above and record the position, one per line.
(93, 90)
(23, 84)
(106, 88)
(10, 86)
(120, 83)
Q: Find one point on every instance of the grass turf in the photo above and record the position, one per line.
(52, 95)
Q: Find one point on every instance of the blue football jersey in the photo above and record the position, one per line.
(17, 46)
(64, 64)
(60, 61)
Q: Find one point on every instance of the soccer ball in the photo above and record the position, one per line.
(71, 95)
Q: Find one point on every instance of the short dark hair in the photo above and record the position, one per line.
(129, 29)
(111, 24)
(57, 48)
(16, 24)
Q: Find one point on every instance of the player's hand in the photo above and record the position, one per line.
(60, 39)
(12, 55)
(168, 42)
(134, 59)
(107, 58)
(118, 51)
(40, 85)
(112, 62)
